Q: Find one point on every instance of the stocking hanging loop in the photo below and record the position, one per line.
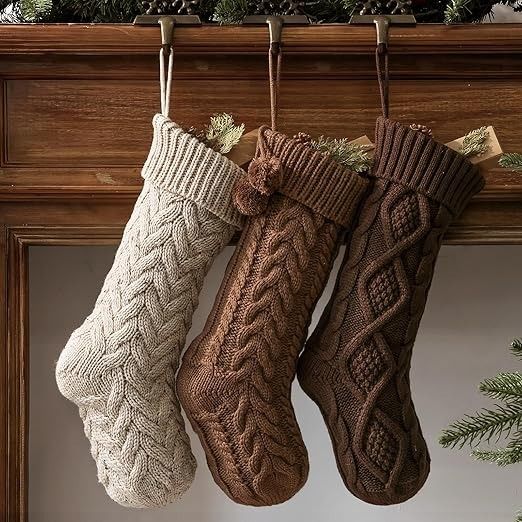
(275, 56)
(166, 54)
(382, 25)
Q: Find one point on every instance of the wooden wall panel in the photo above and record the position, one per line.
(98, 124)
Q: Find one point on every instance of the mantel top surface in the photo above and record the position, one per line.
(327, 38)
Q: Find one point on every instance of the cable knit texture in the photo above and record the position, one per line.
(119, 365)
(235, 379)
(356, 364)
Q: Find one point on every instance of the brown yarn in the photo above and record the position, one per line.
(356, 364)
(235, 379)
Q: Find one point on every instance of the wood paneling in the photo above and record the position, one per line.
(75, 129)
(92, 123)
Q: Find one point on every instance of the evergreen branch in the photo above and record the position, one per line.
(352, 156)
(221, 134)
(457, 11)
(475, 142)
(516, 347)
(231, 12)
(483, 425)
(512, 454)
(462, 11)
(35, 10)
(350, 5)
(511, 161)
(505, 387)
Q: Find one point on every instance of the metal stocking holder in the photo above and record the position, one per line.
(382, 25)
(166, 55)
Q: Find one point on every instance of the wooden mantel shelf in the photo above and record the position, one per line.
(212, 39)
(77, 101)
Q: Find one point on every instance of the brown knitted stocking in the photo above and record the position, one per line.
(235, 378)
(355, 365)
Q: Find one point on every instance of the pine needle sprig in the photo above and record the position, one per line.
(231, 12)
(457, 11)
(35, 10)
(475, 142)
(516, 347)
(222, 133)
(484, 425)
(511, 161)
(505, 387)
(511, 454)
(352, 156)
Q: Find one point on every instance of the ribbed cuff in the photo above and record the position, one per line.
(314, 179)
(416, 160)
(180, 163)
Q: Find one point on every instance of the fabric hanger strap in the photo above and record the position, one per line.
(166, 78)
(275, 58)
(383, 77)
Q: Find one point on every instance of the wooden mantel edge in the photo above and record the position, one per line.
(212, 39)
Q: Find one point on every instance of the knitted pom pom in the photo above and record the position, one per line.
(247, 199)
(265, 174)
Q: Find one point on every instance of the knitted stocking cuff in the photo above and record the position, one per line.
(415, 160)
(180, 163)
(235, 379)
(312, 178)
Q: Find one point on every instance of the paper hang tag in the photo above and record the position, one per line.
(484, 161)
(242, 153)
(245, 150)
(487, 159)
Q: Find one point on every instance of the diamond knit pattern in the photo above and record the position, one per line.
(235, 379)
(119, 365)
(356, 363)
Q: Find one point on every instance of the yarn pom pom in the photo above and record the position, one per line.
(265, 174)
(248, 200)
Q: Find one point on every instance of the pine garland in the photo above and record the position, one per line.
(503, 421)
(233, 11)
(352, 156)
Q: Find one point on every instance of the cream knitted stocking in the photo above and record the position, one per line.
(119, 365)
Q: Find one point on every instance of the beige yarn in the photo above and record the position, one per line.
(119, 365)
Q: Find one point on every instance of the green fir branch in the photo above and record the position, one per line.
(511, 454)
(467, 11)
(484, 425)
(231, 12)
(35, 10)
(221, 134)
(505, 387)
(511, 161)
(475, 142)
(516, 347)
(353, 156)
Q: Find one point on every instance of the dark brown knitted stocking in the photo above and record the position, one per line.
(235, 378)
(356, 364)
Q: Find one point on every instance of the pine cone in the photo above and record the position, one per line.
(281, 7)
(171, 7)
